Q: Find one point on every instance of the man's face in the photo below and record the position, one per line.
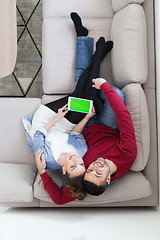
(74, 165)
(98, 172)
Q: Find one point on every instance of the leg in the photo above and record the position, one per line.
(80, 29)
(107, 116)
(84, 87)
(84, 49)
(84, 52)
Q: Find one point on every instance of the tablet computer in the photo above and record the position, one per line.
(80, 105)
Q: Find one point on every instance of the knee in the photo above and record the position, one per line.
(120, 93)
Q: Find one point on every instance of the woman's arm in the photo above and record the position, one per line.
(41, 164)
(61, 113)
(80, 126)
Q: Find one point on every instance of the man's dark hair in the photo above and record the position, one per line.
(93, 189)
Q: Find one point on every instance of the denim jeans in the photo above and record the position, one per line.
(106, 116)
(84, 53)
(83, 58)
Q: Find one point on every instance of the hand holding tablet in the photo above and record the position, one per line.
(80, 105)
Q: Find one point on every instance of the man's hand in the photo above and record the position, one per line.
(41, 164)
(89, 115)
(62, 112)
(98, 82)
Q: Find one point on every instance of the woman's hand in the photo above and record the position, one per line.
(98, 82)
(89, 115)
(41, 164)
(62, 111)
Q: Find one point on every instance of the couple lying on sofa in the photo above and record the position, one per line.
(92, 149)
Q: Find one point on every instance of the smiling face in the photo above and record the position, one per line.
(98, 172)
(73, 164)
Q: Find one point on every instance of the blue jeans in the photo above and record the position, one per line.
(84, 53)
(83, 58)
(106, 116)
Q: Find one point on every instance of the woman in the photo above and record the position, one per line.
(58, 139)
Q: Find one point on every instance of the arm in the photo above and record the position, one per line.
(126, 128)
(80, 126)
(40, 135)
(61, 113)
(59, 196)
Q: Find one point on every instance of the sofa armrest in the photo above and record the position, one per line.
(16, 182)
(12, 141)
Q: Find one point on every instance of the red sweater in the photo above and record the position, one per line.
(103, 141)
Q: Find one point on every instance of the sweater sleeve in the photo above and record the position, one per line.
(126, 128)
(58, 196)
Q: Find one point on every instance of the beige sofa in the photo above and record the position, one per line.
(130, 66)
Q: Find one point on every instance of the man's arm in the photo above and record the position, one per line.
(125, 124)
(58, 196)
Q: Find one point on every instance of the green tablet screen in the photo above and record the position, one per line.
(80, 105)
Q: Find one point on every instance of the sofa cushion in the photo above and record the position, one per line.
(133, 185)
(135, 101)
(118, 5)
(39, 191)
(49, 98)
(129, 53)
(86, 9)
(59, 52)
(16, 182)
(13, 142)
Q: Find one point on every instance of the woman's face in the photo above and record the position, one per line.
(73, 164)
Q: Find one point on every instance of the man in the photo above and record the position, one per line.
(110, 153)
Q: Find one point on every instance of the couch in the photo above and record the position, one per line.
(130, 66)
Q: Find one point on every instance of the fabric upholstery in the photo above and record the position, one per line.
(59, 52)
(126, 188)
(128, 66)
(13, 143)
(120, 4)
(87, 9)
(136, 103)
(49, 98)
(16, 182)
(129, 54)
